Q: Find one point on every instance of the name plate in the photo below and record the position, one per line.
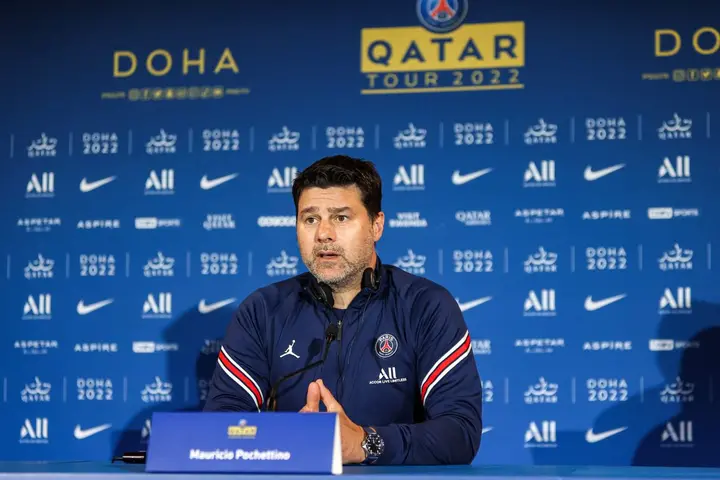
(235, 442)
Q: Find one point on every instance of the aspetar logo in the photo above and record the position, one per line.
(212, 65)
(699, 44)
(443, 53)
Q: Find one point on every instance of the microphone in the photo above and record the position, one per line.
(331, 334)
(131, 457)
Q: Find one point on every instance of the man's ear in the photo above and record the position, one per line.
(378, 226)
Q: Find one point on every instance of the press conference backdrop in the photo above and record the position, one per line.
(554, 166)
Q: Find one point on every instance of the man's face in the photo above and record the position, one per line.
(335, 234)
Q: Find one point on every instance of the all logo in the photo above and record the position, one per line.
(386, 345)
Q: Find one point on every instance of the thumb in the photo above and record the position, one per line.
(313, 397)
(327, 398)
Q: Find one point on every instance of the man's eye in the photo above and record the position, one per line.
(342, 218)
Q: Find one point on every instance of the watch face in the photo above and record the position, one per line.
(375, 444)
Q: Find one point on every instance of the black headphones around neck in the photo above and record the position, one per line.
(323, 293)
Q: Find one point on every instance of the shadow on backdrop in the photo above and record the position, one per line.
(198, 336)
(661, 427)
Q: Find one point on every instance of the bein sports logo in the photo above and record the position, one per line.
(442, 16)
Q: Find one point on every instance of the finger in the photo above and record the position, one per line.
(312, 403)
(327, 398)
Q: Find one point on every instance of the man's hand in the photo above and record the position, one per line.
(351, 434)
(312, 402)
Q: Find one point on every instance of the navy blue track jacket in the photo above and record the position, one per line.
(403, 363)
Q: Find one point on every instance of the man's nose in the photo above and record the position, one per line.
(325, 231)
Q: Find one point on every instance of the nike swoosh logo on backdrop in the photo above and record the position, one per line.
(83, 309)
(86, 186)
(592, 437)
(211, 307)
(592, 305)
(591, 175)
(82, 434)
(473, 303)
(459, 179)
(207, 184)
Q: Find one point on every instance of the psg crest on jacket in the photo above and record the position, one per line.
(386, 345)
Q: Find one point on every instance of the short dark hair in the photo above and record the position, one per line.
(342, 171)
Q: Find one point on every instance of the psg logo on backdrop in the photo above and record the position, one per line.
(442, 16)
(386, 345)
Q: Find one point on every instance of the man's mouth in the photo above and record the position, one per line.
(328, 254)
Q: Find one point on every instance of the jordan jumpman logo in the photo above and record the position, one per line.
(289, 351)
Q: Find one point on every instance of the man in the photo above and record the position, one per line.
(400, 373)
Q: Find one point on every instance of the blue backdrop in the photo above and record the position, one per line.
(553, 165)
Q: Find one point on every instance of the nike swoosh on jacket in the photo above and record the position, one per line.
(403, 364)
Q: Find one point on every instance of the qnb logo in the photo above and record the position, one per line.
(162, 183)
(605, 129)
(41, 185)
(280, 181)
(100, 143)
(677, 434)
(543, 435)
(285, 141)
(474, 134)
(411, 137)
(675, 172)
(473, 261)
(676, 302)
(36, 433)
(345, 137)
(39, 308)
(606, 258)
(159, 306)
(409, 179)
(542, 175)
(607, 390)
(676, 129)
(162, 143)
(540, 305)
(219, 140)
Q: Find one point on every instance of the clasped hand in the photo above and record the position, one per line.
(351, 434)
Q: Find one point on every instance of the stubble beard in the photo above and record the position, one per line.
(351, 269)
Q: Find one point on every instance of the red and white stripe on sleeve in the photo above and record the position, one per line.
(456, 354)
(238, 375)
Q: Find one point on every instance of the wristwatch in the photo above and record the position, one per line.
(373, 446)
